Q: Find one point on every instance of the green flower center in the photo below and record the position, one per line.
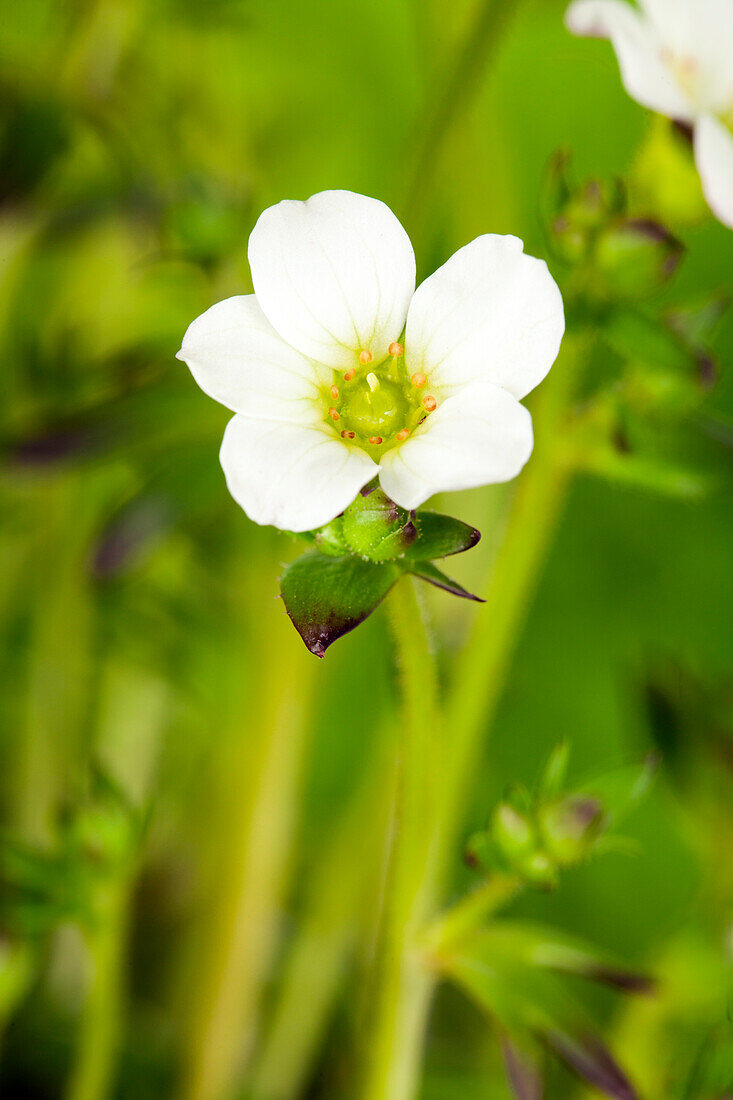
(378, 406)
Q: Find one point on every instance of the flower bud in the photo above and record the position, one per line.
(570, 827)
(376, 528)
(573, 215)
(636, 257)
(539, 869)
(514, 832)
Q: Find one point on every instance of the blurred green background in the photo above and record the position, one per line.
(141, 638)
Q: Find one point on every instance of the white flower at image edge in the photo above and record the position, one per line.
(676, 58)
(326, 396)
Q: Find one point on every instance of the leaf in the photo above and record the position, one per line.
(648, 472)
(430, 573)
(622, 788)
(551, 948)
(522, 1073)
(440, 536)
(529, 1000)
(590, 1059)
(553, 777)
(327, 597)
(641, 339)
(697, 321)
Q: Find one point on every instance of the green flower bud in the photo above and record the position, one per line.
(514, 832)
(376, 528)
(570, 828)
(539, 869)
(636, 257)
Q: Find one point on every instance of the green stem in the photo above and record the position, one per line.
(467, 915)
(92, 1075)
(395, 1036)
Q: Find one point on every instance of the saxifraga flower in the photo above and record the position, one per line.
(338, 370)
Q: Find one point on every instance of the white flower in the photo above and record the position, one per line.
(326, 398)
(676, 57)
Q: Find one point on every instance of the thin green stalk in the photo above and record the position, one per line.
(94, 1068)
(393, 1050)
(471, 911)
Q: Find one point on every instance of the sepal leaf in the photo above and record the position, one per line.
(430, 573)
(327, 596)
(439, 536)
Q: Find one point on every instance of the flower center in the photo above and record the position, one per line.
(378, 406)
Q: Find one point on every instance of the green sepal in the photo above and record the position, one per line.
(328, 596)
(440, 536)
(430, 573)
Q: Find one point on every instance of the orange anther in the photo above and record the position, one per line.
(395, 349)
(347, 435)
(334, 392)
(418, 380)
(365, 356)
(429, 403)
(375, 440)
(349, 374)
(403, 434)
(334, 414)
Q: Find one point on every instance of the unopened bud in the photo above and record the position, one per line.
(539, 869)
(514, 832)
(377, 528)
(636, 257)
(570, 828)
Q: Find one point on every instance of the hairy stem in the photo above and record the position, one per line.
(394, 1047)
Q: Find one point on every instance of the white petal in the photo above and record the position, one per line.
(292, 476)
(714, 159)
(640, 51)
(479, 437)
(237, 358)
(334, 275)
(489, 314)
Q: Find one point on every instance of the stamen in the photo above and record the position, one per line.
(375, 440)
(429, 403)
(395, 349)
(372, 381)
(347, 435)
(334, 392)
(418, 380)
(349, 374)
(365, 356)
(403, 434)
(334, 414)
